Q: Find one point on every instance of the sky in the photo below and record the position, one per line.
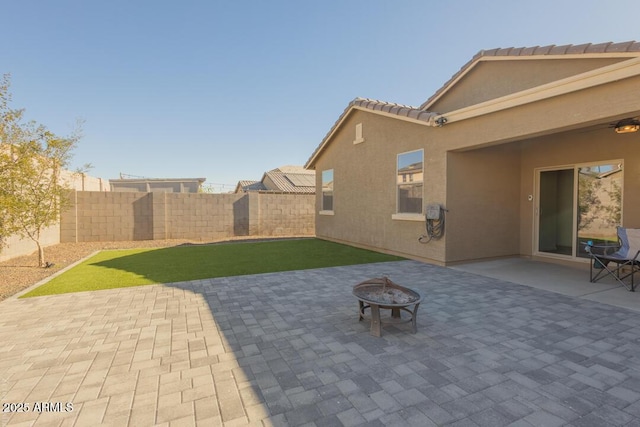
(226, 90)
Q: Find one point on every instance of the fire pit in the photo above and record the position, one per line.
(383, 293)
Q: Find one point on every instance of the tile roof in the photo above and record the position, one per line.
(286, 179)
(550, 50)
(291, 182)
(246, 185)
(294, 169)
(400, 110)
(428, 117)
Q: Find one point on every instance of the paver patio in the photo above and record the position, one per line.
(287, 349)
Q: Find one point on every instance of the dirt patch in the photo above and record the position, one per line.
(22, 272)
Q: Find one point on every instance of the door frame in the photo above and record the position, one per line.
(536, 207)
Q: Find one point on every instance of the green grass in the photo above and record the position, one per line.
(136, 267)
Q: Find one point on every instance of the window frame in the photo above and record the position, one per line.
(408, 181)
(323, 208)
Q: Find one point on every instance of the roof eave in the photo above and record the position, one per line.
(424, 118)
(600, 76)
(629, 49)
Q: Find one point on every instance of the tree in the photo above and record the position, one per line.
(32, 160)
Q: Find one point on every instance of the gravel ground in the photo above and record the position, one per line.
(20, 273)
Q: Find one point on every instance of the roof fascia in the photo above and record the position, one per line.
(310, 163)
(600, 76)
(467, 70)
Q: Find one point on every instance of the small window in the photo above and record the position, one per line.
(409, 180)
(327, 190)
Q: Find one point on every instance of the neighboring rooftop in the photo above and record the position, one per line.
(157, 185)
(285, 179)
(244, 186)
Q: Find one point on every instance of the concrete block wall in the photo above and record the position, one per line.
(118, 216)
(16, 246)
(107, 216)
(205, 216)
(286, 214)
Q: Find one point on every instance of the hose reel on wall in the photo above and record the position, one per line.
(435, 214)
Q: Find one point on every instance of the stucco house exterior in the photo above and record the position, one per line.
(529, 152)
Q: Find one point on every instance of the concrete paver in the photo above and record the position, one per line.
(288, 349)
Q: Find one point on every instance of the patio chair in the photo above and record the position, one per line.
(626, 258)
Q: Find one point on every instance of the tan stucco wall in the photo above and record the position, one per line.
(493, 79)
(480, 168)
(597, 145)
(578, 131)
(365, 186)
(488, 194)
(483, 192)
(598, 106)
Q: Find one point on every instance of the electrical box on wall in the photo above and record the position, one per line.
(434, 214)
(433, 211)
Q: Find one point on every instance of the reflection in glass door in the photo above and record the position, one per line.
(577, 205)
(599, 205)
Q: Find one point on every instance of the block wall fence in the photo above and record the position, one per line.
(114, 216)
(16, 246)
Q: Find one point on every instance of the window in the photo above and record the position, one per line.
(409, 182)
(578, 204)
(327, 190)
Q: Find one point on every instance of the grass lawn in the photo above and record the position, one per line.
(136, 267)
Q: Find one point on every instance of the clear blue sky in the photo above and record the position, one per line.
(227, 90)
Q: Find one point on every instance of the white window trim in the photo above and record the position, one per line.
(325, 211)
(328, 213)
(408, 217)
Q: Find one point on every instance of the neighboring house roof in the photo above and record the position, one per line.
(152, 184)
(422, 115)
(200, 180)
(294, 169)
(285, 179)
(291, 182)
(244, 186)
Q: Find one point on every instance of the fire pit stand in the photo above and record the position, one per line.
(382, 293)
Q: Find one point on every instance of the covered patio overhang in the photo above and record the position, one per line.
(495, 152)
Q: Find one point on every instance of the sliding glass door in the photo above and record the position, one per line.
(578, 204)
(555, 212)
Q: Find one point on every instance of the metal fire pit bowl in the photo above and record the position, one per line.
(382, 293)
